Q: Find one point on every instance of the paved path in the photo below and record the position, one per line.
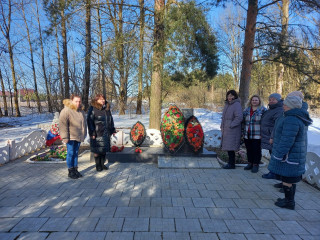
(140, 201)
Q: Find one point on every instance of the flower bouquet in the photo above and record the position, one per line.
(116, 149)
(194, 134)
(58, 153)
(172, 128)
(137, 135)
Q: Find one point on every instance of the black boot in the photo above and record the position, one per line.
(98, 165)
(102, 161)
(288, 202)
(72, 174)
(248, 167)
(79, 175)
(232, 160)
(283, 199)
(278, 185)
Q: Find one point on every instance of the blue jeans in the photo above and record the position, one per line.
(72, 153)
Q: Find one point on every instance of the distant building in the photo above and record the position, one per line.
(21, 93)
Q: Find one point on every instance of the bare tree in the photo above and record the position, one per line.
(59, 65)
(86, 80)
(5, 105)
(5, 25)
(42, 61)
(65, 53)
(141, 46)
(230, 42)
(101, 64)
(116, 16)
(283, 42)
(31, 57)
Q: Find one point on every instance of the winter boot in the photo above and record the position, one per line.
(72, 174)
(248, 167)
(102, 161)
(288, 202)
(255, 168)
(98, 164)
(231, 164)
(278, 185)
(79, 175)
(283, 199)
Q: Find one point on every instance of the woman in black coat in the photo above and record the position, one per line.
(100, 126)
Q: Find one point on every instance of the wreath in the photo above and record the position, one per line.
(137, 134)
(172, 128)
(194, 134)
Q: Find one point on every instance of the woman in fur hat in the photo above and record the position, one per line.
(100, 126)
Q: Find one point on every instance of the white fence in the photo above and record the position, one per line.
(13, 150)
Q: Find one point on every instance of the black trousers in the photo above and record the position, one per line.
(253, 147)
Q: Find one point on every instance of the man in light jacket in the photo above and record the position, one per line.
(73, 130)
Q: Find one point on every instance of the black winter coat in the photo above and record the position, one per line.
(100, 125)
(268, 120)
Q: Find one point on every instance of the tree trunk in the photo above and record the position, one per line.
(283, 42)
(101, 68)
(5, 104)
(65, 56)
(245, 77)
(157, 61)
(14, 81)
(86, 83)
(43, 63)
(59, 68)
(32, 62)
(141, 45)
(120, 53)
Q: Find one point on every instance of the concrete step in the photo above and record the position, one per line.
(187, 162)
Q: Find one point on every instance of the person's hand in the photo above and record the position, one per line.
(93, 137)
(271, 141)
(65, 141)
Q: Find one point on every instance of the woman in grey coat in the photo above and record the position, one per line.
(231, 127)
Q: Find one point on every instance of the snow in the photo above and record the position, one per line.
(210, 120)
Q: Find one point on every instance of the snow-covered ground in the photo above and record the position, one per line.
(210, 120)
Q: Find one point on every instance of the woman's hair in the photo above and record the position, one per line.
(74, 96)
(98, 96)
(249, 101)
(233, 93)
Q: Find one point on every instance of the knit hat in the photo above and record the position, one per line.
(275, 96)
(293, 102)
(296, 93)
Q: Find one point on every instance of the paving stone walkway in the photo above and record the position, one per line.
(141, 201)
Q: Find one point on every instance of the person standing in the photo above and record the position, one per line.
(252, 132)
(101, 126)
(231, 127)
(268, 120)
(289, 148)
(73, 130)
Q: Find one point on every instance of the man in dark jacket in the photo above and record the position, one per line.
(268, 120)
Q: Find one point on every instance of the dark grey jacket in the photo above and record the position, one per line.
(268, 120)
